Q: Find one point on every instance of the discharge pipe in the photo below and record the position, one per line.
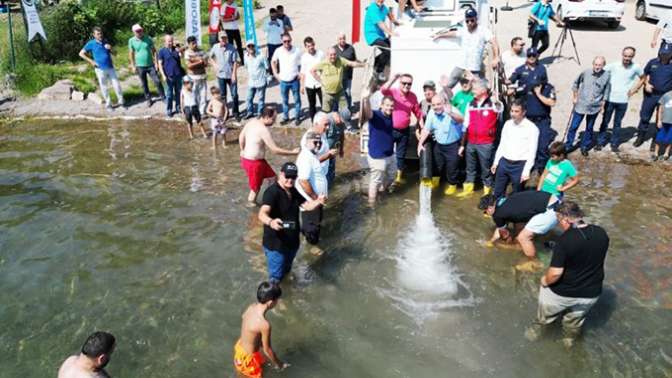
(426, 164)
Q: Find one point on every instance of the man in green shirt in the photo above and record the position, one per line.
(329, 73)
(559, 174)
(142, 57)
(463, 97)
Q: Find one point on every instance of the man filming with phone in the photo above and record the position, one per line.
(280, 215)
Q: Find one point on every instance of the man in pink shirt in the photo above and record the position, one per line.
(405, 104)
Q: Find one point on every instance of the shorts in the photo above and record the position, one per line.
(217, 126)
(664, 135)
(257, 171)
(249, 365)
(543, 222)
(572, 310)
(192, 113)
(382, 170)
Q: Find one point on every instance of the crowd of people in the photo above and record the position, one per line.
(479, 137)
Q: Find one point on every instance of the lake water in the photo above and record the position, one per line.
(128, 227)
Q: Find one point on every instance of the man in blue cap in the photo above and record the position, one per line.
(520, 82)
(658, 79)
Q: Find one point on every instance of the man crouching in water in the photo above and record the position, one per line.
(535, 209)
(255, 334)
(91, 362)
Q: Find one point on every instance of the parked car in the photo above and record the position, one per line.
(653, 9)
(610, 11)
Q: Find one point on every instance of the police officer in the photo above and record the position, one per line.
(540, 99)
(658, 79)
(531, 72)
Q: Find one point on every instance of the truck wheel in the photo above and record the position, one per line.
(613, 24)
(640, 11)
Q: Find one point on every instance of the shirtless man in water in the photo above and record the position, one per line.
(91, 362)
(253, 140)
(255, 334)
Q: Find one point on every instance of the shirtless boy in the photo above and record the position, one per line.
(91, 362)
(218, 113)
(255, 334)
(253, 140)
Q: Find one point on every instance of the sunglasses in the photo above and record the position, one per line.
(288, 41)
(470, 20)
(628, 56)
(317, 142)
(407, 83)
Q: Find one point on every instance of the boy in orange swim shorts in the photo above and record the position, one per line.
(255, 334)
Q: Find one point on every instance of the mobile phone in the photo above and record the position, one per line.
(288, 225)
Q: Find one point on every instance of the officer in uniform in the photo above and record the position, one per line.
(540, 99)
(658, 81)
(520, 82)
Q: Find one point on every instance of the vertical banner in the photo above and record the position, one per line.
(192, 9)
(32, 19)
(214, 12)
(250, 30)
(356, 25)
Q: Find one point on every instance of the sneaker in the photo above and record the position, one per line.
(284, 120)
(549, 244)
(297, 122)
(584, 153)
(169, 113)
(249, 115)
(150, 102)
(639, 141)
(652, 146)
(598, 147)
(666, 157)
(615, 149)
(654, 158)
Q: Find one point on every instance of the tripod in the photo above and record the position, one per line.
(561, 41)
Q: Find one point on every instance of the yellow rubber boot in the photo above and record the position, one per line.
(487, 190)
(435, 182)
(450, 190)
(467, 190)
(399, 179)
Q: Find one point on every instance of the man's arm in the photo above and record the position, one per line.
(421, 141)
(275, 69)
(656, 34)
(266, 346)
(331, 153)
(500, 150)
(312, 205)
(234, 73)
(83, 55)
(367, 113)
(131, 58)
(241, 139)
(571, 182)
(575, 88)
(638, 84)
(531, 152)
(268, 141)
(552, 276)
(265, 218)
(495, 52)
(316, 76)
(540, 183)
(548, 101)
(155, 57)
(307, 188)
(386, 87)
(445, 34)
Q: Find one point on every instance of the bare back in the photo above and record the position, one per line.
(255, 134)
(71, 369)
(251, 329)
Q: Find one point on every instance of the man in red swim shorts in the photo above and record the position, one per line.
(253, 140)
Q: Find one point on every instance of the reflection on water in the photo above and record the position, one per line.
(129, 227)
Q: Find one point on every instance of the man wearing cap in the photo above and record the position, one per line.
(142, 58)
(225, 63)
(626, 79)
(101, 52)
(381, 160)
(253, 140)
(473, 39)
(279, 214)
(541, 13)
(170, 66)
(329, 72)
(377, 33)
(257, 79)
(589, 94)
(658, 79)
(519, 83)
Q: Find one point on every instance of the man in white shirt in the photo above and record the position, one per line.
(664, 28)
(473, 39)
(285, 65)
(514, 58)
(274, 28)
(309, 85)
(517, 150)
(230, 17)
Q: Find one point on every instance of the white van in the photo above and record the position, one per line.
(653, 9)
(610, 11)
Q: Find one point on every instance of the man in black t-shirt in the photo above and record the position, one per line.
(280, 215)
(573, 282)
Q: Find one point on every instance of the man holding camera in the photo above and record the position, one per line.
(280, 215)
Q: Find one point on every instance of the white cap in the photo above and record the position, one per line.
(136, 27)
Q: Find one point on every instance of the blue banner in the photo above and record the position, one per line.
(250, 29)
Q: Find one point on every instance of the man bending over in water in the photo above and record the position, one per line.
(253, 140)
(255, 334)
(535, 209)
(91, 362)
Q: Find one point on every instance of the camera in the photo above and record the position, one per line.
(337, 145)
(288, 225)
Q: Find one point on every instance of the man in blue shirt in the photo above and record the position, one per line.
(626, 79)
(225, 62)
(541, 13)
(381, 158)
(170, 67)
(101, 51)
(531, 72)
(540, 99)
(658, 79)
(257, 78)
(444, 125)
(377, 33)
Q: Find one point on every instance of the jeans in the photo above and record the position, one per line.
(251, 92)
(173, 88)
(446, 161)
(546, 137)
(382, 59)
(271, 50)
(333, 102)
(508, 171)
(331, 174)
(587, 139)
(151, 71)
(104, 77)
(313, 94)
(540, 36)
(285, 87)
(649, 105)
(278, 263)
(400, 143)
(618, 111)
(347, 91)
(233, 85)
(234, 37)
(479, 155)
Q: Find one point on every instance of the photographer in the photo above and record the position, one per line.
(280, 215)
(539, 16)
